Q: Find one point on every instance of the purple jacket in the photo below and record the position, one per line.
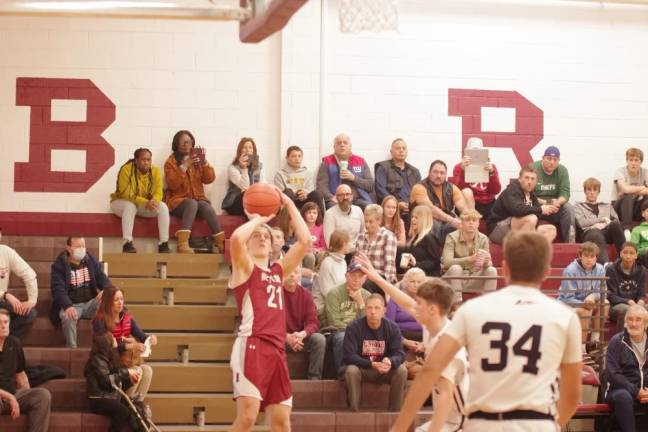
(405, 321)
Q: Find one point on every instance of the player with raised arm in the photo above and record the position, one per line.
(519, 342)
(258, 362)
(433, 301)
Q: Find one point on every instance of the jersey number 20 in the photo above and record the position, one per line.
(274, 297)
(532, 354)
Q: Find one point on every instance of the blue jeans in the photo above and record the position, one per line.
(85, 311)
(19, 324)
(336, 342)
(624, 407)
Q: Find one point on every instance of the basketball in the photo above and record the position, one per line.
(262, 199)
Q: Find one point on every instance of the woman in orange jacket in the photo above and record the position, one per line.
(186, 171)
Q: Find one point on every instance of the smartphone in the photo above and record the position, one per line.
(253, 159)
(199, 153)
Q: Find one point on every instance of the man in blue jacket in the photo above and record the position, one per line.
(373, 352)
(626, 368)
(77, 283)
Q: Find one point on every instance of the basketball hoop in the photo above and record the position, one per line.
(368, 15)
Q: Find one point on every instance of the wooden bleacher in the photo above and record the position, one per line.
(201, 319)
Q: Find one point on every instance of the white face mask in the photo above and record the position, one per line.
(78, 253)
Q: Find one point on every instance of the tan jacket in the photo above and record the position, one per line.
(189, 184)
(455, 250)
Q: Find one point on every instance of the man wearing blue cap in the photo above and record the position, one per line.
(553, 189)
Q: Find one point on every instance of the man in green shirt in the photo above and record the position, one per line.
(553, 189)
(343, 305)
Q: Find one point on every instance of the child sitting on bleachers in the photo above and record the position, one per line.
(584, 295)
(626, 284)
(639, 235)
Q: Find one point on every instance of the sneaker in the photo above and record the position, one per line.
(128, 247)
(164, 248)
(627, 234)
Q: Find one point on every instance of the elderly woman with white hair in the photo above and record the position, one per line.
(478, 196)
(626, 368)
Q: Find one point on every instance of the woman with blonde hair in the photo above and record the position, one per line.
(392, 219)
(423, 249)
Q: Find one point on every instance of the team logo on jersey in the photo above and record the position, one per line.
(270, 278)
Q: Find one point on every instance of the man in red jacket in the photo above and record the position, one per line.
(302, 324)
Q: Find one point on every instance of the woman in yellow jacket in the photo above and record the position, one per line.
(139, 193)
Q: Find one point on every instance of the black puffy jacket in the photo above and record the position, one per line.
(100, 374)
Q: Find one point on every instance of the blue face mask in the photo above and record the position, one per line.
(79, 253)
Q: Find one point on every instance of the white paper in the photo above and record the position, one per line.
(476, 172)
(147, 345)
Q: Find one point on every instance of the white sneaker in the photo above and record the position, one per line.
(627, 234)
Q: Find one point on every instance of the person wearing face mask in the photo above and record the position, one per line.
(77, 283)
(22, 312)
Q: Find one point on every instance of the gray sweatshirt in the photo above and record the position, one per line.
(294, 179)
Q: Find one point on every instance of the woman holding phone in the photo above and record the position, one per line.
(186, 170)
(244, 171)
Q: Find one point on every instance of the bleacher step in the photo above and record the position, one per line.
(202, 347)
(184, 317)
(192, 377)
(152, 290)
(178, 265)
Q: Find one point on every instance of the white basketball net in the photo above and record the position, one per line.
(368, 15)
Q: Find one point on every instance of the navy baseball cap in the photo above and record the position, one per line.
(354, 266)
(552, 151)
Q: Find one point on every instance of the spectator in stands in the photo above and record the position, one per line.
(344, 216)
(379, 245)
(77, 283)
(442, 197)
(302, 325)
(467, 253)
(244, 171)
(478, 196)
(16, 396)
(102, 371)
(517, 208)
(639, 235)
(626, 368)
(406, 322)
(297, 181)
(584, 295)
(22, 313)
(139, 193)
(630, 187)
(112, 316)
(626, 283)
(553, 188)
(278, 242)
(344, 304)
(332, 270)
(423, 248)
(396, 177)
(392, 219)
(343, 167)
(598, 221)
(373, 352)
(185, 171)
(314, 219)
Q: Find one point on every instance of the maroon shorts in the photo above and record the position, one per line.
(260, 371)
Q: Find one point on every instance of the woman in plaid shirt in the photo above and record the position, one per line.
(379, 245)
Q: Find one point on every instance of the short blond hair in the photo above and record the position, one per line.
(412, 273)
(374, 210)
(470, 214)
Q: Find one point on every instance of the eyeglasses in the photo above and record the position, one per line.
(344, 194)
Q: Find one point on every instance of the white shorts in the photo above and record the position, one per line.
(259, 371)
(479, 425)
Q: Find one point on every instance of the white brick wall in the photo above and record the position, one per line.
(584, 65)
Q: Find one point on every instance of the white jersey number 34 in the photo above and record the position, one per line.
(502, 333)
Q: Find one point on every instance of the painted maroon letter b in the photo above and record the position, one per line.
(46, 135)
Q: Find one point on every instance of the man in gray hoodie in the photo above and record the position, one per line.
(297, 181)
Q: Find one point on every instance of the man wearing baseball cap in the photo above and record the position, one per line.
(553, 189)
(343, 305)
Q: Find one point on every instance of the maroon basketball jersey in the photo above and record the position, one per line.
(261, 305)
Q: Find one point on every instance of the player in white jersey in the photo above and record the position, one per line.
(519, 342)
(433, 301)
